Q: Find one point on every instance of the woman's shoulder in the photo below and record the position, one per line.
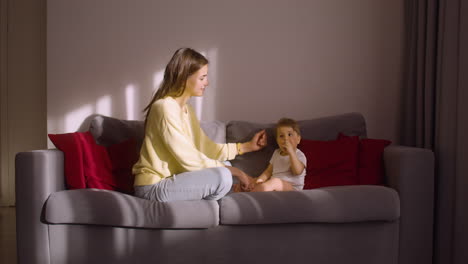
(163, 109)
(167, 103)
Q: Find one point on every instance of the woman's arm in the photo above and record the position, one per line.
(165, 123)
(211, 149)
(245, 180)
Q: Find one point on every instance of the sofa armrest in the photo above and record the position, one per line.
(38, 174)
(410, 171)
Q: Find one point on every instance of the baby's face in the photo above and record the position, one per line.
(285, 134)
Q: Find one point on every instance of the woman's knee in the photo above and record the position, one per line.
(224, 182)
(225, 177)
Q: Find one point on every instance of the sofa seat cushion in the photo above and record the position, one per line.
(338, 204)
(110, 208)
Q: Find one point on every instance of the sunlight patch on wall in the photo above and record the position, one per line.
(104, 105)
(74, 119)
(157, 80)
(130, 101)
(197, 102)
(205, 107)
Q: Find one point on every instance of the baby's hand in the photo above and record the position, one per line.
(289, 147)
(259, 180)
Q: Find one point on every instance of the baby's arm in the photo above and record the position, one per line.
(297, 167)
(265, 175)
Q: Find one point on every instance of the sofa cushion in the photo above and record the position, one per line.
(215, 130)
(122, 156)
(339, 204)
(109, 208)
(108, 130)
(331, 162)
(370, 165)
(326, 128)
(88, 165)
(85, 161)
(72, 145)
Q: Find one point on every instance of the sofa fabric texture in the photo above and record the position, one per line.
(343, 205)
(108, 130)
(345, 243)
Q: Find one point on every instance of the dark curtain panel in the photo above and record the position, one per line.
(421, 20)
(435, 113)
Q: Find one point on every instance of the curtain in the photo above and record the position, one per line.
(421, 54)
(435, 113)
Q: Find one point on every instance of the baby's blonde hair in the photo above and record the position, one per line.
(288, 122)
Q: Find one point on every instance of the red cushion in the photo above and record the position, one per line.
(370, 168)
(88, 165)
(98, 168)
(330, 163)
(72, 148)
(122, 156)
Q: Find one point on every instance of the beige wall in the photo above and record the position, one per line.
(23, 85)
(301, 59)
(269, 59)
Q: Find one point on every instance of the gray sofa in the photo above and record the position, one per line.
(343, 224)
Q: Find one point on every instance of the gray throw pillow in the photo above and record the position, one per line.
(108, 130)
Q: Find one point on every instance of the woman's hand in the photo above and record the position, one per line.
(258, 141)
(247, 183)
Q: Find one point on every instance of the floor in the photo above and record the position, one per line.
(8, 235)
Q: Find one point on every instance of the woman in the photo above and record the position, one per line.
(177, 160)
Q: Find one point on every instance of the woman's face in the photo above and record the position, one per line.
(197, 82)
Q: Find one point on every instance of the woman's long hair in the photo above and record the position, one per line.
(183, 63)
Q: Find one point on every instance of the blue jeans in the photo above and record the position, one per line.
(208, 184)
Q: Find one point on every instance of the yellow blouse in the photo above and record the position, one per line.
(174, 143)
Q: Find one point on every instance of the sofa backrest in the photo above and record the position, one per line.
(108, 131)
(325, 128)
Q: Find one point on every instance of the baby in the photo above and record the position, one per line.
(286, 171)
